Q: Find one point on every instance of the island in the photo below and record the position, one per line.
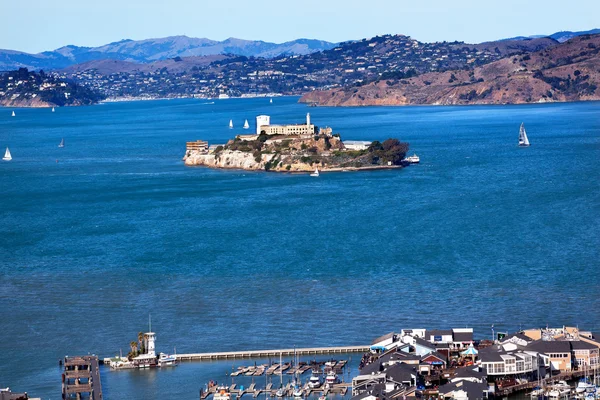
(24, 88)
(296, 148)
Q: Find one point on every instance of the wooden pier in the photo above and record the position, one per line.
(271, 353)
(81, 378)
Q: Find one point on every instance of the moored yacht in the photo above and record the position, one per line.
(166, 360)
(331, 378)
(222, 393)
(414, 159)
(314, 381)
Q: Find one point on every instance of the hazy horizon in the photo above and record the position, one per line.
(70, 22)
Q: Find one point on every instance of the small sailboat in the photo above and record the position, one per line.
(271, 101)
(316, 173)
(246, 125)
(230, 124)
(523, 140)
(52, 109)
(7, 156)
(13, 113)
(62, 143)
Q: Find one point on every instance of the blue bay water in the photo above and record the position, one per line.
(113, 227)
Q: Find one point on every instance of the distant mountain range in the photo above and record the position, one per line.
(150, 50)
(560, 37)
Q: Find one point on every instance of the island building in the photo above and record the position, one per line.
(356, 144)
(7, 394)
(198, 145)
(263, 125)
(147, 359)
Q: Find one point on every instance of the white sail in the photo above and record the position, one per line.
(13, 113)
(230, 124)
(62, 143)
(246, 125)
(52, 109)
(523, 140)
(271, 101)
(7, 156)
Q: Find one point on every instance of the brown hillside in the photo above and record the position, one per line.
(566, 72)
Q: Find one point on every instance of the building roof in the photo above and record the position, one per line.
(550, 346)
(463, 336)
(517, 335)
(474, 390)
(384, 337)
(470, 372)
(438, 332)
(424, 343)
(400, 373)
(582, 345)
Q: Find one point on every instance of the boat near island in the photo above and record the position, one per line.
(271, 101)
(316, 173)
(166, 360)
(523, 140)
(62, 143)
(246, 125)
(230, 124)
(13, 114)
(414, 159)
(52, 109)
(7, 155)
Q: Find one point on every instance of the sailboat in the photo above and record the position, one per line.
(52, 109)
(246, 125)
(62, 143)
(230, 124)
(316, 173)
(523, 141)
(7, 156)
(271, 101)
(13, 113)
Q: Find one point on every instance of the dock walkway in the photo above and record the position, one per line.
(271, 353)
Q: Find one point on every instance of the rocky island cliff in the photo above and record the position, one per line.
(567, 72)
(295, 148)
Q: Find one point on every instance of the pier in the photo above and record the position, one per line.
(271, 353)
(339, 388)
(81, 378)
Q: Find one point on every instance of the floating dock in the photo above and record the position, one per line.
(271, 353)
(339, 388)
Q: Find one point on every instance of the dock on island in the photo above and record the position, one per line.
(271, 353)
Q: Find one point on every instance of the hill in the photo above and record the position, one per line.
(345, 65)
(149, 50)
(23, 88)
(566, 72)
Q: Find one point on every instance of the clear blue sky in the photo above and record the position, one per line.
(37, 25)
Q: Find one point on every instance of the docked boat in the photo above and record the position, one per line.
(62, 143)
(166, 360)
(584, 385)
(523, 140)
(316, 173)
(331, 378)
(298, 393)
(314, 381)
(280, 392)
(246, 125)
(222, 393)
(230, 124)
(414, 159)
(7, 156)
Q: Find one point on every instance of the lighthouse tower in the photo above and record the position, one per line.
(150, 338)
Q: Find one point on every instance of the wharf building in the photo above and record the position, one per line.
(451, 364)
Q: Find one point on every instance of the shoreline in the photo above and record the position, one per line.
(324, 170)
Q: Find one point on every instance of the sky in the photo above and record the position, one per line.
(35, 25)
